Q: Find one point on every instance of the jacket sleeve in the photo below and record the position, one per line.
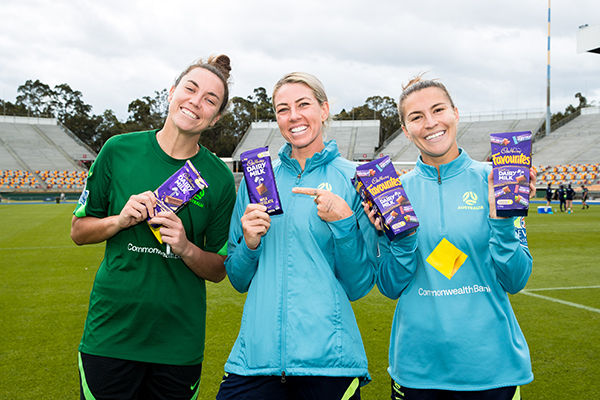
(512, 260)
(241, 262)
(355, 250)
(397, 262)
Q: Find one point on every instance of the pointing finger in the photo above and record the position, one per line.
(307, 191)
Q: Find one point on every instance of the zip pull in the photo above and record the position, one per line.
(282, 376)
(439, 178)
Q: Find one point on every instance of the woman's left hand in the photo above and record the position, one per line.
(492, 197)
(172, 231)
(330, 206)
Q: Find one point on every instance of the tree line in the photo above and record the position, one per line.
(37, 99)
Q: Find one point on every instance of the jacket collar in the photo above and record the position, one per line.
(323, 157)
(449, 170)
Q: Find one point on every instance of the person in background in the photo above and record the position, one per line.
(569, 195)
(562, 197)
(549, 193)
(584, 197)
(454, 333)
(299, 338)
(145, 329)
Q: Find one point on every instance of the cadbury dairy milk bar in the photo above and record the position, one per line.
(511, 162)
(177, 191)
(378, 184)
(260, 180)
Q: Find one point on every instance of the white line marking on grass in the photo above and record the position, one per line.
(40, 247)
(564, 288)
(568, 303)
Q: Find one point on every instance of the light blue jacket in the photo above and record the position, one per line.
(454, 327)
(300, 281)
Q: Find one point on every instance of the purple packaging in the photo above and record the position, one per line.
(511, 162)
(378, 184)
(260, 180)
(176, 192)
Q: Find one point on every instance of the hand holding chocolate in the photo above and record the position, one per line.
(176, 192)
(260, 180)
(378, 184)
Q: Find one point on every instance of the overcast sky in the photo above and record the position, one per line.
(492, 56)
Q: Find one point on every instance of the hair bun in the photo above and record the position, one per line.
(223, 64)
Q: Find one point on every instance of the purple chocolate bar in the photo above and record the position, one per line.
(176, 192)
(511, 161)
(260, 180)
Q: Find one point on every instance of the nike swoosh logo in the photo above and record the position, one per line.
(193, 387)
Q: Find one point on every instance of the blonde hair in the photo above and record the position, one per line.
(308, 80)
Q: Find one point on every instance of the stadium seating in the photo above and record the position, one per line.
(19, 179)
(577, 142)
(586, 174)
(36, 153)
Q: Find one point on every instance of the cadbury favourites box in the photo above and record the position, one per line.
(176, 192)
(378, 184)
(260, 180)
(511, 162)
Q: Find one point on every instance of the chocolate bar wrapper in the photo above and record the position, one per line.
(176, 192)
(378, 184)
(260, 180)
(511, 162)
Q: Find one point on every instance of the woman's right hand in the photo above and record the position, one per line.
(137, 209)
(255, 223)
(371, 214)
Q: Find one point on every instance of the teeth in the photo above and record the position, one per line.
(298, 129)
(189, 113)
(435, 135)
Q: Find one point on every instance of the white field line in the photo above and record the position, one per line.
(567, 303)
(45, 247)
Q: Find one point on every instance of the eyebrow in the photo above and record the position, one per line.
(295, 101)
(198, 87)
(432, 107)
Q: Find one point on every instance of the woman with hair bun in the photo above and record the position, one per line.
(454, 333)
(299, 338)
(145, 329)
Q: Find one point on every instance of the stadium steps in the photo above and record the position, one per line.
(512, 128)
(463, 129)
(580, 152)
(18, 159)
(350, 154)
(270, 138)
(58, 148)
(559, 138)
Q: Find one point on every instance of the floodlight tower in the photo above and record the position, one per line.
(548, 115)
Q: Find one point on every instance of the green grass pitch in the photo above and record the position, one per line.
(45, 281)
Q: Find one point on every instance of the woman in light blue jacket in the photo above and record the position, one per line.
(298, 337)
(454, 334)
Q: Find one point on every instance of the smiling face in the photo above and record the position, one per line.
(431, 123)
(194, 103)
(300, 118)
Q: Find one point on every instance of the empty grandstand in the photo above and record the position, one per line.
(356, 140)
(39, 154)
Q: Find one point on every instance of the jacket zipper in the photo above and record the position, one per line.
(441, 194)
(284, 290)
